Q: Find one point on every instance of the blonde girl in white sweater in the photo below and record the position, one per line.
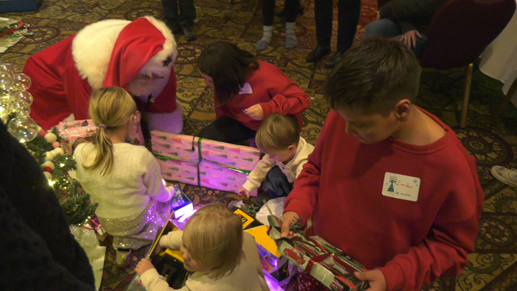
(124, 179)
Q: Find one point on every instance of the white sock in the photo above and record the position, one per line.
(266, 38)
(290, 36)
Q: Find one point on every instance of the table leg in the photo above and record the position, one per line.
(506, 100)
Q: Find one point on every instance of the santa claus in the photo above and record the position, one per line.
(136, 55)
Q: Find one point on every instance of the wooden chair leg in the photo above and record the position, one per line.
(506, 100)
(466, 95)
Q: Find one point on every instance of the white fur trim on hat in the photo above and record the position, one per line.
(92, 48)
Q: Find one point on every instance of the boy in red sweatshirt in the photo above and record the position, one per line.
(388, 183)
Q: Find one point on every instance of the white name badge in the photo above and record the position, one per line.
(246, 89)
(401, 186)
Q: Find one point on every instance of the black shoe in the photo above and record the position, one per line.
(318, 53)
(189, 33)
(334, 60)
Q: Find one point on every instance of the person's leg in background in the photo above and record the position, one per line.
(228, 130)
(187, 15)
(268, 13)
(171, 15)
(348, 18)
(323, 16)
(389, 29)
(301, 10)
(291, 12)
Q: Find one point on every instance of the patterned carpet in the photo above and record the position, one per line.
(492, 267)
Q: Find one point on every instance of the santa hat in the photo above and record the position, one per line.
(145, 41)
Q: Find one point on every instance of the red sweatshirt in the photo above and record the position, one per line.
(412, 242)
(273, 90)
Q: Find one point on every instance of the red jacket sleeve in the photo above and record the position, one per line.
(288, 97)
(288, 104)
(303, 198)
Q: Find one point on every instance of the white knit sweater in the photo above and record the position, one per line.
(134, 179)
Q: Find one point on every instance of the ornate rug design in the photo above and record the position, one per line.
(494, 264)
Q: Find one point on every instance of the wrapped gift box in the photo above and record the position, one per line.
(71, 131)
(203, 162)
(323, 261)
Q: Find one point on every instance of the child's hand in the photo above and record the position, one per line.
(143, 266)
(375, 279)
(243, 191)
(289, 217)
(255, 112)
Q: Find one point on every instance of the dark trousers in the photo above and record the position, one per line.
(228, 130)
(277, 183)
(268, 11)
(179, 12)
(348, 18)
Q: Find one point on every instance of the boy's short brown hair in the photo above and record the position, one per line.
(278, 132)
(373, 76)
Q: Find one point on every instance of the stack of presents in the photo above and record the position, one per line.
(202, 162)
(222, 166)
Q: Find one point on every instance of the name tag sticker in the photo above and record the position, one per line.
(401, 186)
(246, 89)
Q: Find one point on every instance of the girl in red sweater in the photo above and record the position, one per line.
(246, 91)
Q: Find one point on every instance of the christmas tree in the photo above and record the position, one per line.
(57, 165)
(45, 147)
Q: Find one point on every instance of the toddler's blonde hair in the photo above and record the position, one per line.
(278, 132)
(110, 109)
(213, 237)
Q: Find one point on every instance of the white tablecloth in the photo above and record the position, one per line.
(499, 60)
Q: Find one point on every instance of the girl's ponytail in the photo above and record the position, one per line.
(104, 148)
(110, 109)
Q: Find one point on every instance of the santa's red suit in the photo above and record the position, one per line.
(137, 56)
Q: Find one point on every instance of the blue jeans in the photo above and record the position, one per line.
(389, 29)
(277, 183)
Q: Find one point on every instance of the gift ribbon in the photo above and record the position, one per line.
(200, 159)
